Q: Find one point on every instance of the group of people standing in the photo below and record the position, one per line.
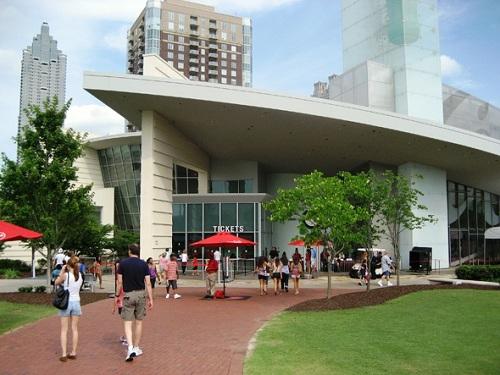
(280, 269)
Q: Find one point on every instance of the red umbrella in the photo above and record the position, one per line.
(302, 243)
(12, 232)
(223, 239)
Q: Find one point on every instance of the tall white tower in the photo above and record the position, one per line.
(404, 36)
(43, 73)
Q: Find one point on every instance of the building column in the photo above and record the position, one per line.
(435, 235)
(156, 189)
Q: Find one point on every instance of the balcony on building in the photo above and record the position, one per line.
(194, 69)
(193, 32)
(194, 52)
(213, 64)
(212, 35)
(194, 43)
(213, 72)
(212, 56)
(212, 47)
(194, 61)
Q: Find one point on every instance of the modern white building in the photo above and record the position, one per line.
(43, 73)
(207, 155)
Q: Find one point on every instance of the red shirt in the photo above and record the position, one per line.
(212, 266)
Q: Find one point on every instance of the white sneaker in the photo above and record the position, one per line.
(130, 355)
(167, 296)
(380, 283)
(389, 283)
(137, 351)
(177, 296)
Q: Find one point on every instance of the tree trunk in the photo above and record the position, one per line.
(329, 285)
(49, 270)
(398, 263)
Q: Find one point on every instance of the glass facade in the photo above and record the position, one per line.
(195, 221)
(153, 22)
(185, 180)
(121, 169)
(403, 35)
(231, 186)
(470, 212)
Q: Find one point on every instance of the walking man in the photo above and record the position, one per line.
(386, 269)
(133, 275)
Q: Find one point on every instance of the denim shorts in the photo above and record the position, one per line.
(73, 309)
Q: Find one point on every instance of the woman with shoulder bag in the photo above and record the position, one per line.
(71, 279)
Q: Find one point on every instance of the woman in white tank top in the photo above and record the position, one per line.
(72, 280)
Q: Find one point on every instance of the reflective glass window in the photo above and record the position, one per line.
(194, 217)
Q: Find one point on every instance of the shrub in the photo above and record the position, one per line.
(15, 264)
(10, 273)
(40, 289)
(480, 273)
(25, 289)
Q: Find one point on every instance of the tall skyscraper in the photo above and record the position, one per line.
(391, 57)
(43, 73)
(201, 43)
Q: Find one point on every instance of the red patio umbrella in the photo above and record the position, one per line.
(12, 232)
(223, 239)
(302, 243)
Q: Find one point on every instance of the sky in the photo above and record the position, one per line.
(295, 43)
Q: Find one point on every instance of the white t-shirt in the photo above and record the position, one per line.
(59, 258)
(73, 287)
(184, 258)
(217, 255)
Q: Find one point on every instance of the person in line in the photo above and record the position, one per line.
(195, 264)
(363, 273)
(97, 267)
(314, 262)
(262, 271)
(153, 271)
(296, 255)
(55, 274)
(133, 276)
(184, 261)
(296, 271)
(324, 260)
(171, 274)
(217, 255)
(211, 269)
(58, 259)
(164, 258)
(285, 272)
(308, 261)
(71, 279)
(386, 269)
(276, 268)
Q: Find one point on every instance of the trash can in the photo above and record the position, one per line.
(420, 259)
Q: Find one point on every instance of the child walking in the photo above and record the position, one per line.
(195, 265)
(296, 271)
(171, 274)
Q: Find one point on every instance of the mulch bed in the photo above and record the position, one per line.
(46, 299)
(372, 297)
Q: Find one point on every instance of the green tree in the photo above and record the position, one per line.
(364, 192)
(118, 244)
(322, 210)
(91, 240)
(398, 210)
(39, 191)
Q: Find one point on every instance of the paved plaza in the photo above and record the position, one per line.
(185, 336)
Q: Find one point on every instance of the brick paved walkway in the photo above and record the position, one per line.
(184, 336)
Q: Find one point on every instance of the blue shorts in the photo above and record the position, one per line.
(73, 309)
(386, 273)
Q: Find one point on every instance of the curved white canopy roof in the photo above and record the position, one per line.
(298, 134)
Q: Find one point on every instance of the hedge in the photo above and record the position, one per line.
(480, 273)
(14, 264)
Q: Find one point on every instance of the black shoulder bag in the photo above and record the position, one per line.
(61, 296)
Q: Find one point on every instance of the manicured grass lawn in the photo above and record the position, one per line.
(13, 315)
(432, 332)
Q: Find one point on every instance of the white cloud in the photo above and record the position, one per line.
(117, 39)
(248, 6)
(95, 119)
(450, 67)
(10, 61)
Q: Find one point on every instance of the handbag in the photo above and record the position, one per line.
(61, 297)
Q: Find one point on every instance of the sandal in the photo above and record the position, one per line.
(63, 358)
(71, 356)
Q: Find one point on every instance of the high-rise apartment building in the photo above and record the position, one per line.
(43, 73)
(201, 43)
